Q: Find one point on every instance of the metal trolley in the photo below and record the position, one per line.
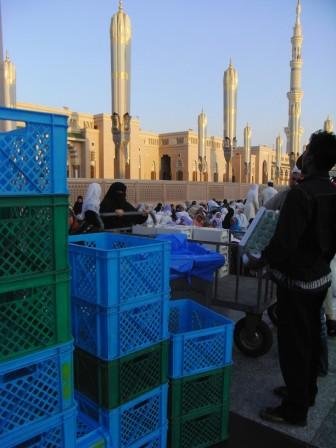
(252, 294)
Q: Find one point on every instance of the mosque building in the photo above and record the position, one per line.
(111, 146)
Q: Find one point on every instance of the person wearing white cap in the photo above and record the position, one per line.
(268, 193)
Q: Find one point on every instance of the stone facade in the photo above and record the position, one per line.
(156, 156)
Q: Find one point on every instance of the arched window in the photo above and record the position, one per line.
(165, 171)
(179, 175)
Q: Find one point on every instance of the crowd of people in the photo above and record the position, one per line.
(235, 215)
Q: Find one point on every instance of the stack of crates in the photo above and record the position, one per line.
(120, 308)
(200, 372)
(36, 378)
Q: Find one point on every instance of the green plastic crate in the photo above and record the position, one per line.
(200, 429)
(112, 383)
(34, 314)
(33, 236)
(199, 392)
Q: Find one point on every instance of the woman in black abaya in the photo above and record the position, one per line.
(115, 201)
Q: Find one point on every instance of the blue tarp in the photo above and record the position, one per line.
(191, 259)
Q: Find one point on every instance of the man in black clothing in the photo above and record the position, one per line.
(299, 256)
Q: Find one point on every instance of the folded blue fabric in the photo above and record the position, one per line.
(191, 259)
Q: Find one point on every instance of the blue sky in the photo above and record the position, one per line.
(180, 50)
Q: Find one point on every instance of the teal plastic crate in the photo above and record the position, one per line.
(200, 392)
(34, 315)
(200, 429)
(113, 383)
(33, 236)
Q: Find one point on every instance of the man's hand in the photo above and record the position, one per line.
(254, 261)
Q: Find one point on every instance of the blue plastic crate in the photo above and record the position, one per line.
(109, 333)
(132, 423)
(200, 339)
(89, 434)
(33, 157)
(35, 387)
(111, 270)
(157, 439)
(58, 431)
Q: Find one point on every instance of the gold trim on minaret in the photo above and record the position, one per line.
(121, 37)
(294, 130)
(230, 84)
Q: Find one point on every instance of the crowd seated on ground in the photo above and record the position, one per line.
(114, 212)
(89, 214)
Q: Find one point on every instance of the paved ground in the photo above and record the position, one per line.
(253, 381)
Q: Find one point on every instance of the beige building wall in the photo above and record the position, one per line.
(91, 152)
(148, 157)
(263, 165)
(103, 124)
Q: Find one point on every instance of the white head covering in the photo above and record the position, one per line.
(183, 218)
(252, 193)
(296, 170)
(217, 220)
(240, 206)
(92, 199)
(212, 204)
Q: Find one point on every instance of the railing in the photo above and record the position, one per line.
(152, 192)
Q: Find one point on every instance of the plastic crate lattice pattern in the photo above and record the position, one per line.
(28, 154)
(35, 389)
(109, 333)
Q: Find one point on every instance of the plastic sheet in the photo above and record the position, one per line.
(191, 259)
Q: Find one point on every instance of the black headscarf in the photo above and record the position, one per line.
(115, 198)
(227, 220)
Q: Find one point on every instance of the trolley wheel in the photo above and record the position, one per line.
(272, 312)
(253, 342)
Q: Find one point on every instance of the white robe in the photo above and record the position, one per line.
(252, 202)
(267, 194)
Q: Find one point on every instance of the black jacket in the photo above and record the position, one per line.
(304, 241)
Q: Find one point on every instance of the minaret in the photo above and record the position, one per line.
(294, 130)
(7, 83)
(230, 84)
(247, 152)
(202, 134)
(328, 125)
(278, 154)
(121, 36)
